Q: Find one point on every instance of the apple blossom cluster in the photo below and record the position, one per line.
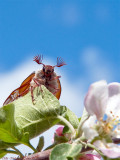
(84, 156)
(102, 126)
(102, 102)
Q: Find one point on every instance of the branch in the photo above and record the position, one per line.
(44, 155)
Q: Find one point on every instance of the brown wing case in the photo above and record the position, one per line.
(57, 95)
(26, 84)
(21, 91)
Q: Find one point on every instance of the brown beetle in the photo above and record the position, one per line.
(46, 76)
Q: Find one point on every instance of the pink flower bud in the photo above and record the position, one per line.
(90, 157)
(59, 131)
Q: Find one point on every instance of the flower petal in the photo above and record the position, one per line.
(96, 99)
(111, 150)
(114, 89)
(88, 128)
(59, 130)
(113, 107)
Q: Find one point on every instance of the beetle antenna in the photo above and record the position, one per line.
(38, 59)
(60, 62)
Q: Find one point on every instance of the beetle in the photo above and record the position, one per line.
(46, 76)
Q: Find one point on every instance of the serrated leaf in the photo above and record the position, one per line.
(2, 115)
(71, 117)
(3, 152)
(64, 151)
(40, 116)
(9, 131)
(4, 145)
(22, 119)
(10, 134)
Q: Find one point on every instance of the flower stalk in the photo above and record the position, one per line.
(67, 124)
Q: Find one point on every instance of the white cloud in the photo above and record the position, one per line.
(72, 96)
(96, 66)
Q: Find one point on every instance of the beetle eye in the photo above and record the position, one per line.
(52, 70)
(43, 69)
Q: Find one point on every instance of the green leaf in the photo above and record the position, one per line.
(66, 130)
(38, 117)
(79, 119)
(60, 139)
(9, 131)
(64, 151)
(10, 134)
(4, 145)
(2, 115)
(71, 117)
(69, 158)
(22, 119)
(3, 152)
(40, 144)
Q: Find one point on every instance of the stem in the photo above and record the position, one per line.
(29, 145)
(85, 117)
(12, 152)
(67, 123)
(51, 146)
(21, 155)
(92, 146)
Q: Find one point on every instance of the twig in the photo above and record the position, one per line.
(19, 153)
(44, 155)
(67, 123)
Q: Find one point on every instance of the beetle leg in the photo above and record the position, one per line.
(31, 89)
(52, 86)
(57, 77)
(56, 89)
(38, 83)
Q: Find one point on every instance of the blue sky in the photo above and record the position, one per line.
(85, 33)
(58, 28)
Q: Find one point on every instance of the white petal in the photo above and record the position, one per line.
(88, 128)
(114, 89)
(96, 99)
(111, 150)
(113, 107)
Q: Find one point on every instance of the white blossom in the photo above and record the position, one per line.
(102, 102)
(111, 150)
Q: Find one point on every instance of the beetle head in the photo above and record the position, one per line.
(47, 69)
